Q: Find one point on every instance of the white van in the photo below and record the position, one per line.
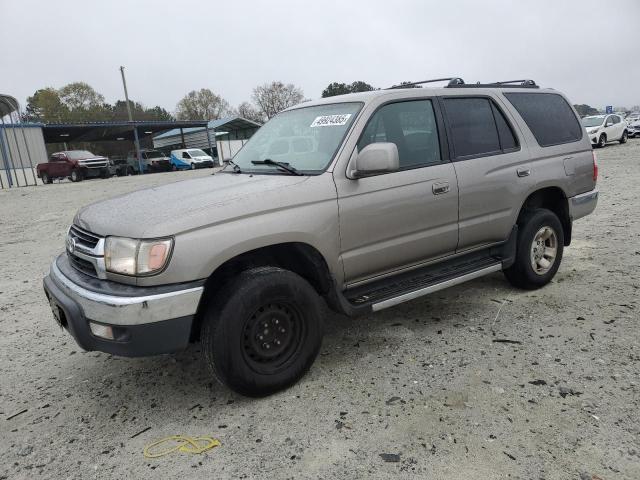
(190, 158)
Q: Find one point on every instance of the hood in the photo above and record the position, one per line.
(186, 205)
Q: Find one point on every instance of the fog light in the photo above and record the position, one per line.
(103, 331)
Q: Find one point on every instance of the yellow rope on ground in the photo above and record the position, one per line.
(181, 443)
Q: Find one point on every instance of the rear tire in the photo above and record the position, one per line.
(46, 179)
(262, 331)
(130, 171)
(602, 141)
(539, 250)
(623, 138)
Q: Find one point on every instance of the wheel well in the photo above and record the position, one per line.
(297, 257)
(554, 199)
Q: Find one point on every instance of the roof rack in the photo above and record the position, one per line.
(504, 84)
(453, 81)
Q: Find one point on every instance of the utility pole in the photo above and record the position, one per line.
(135, 130)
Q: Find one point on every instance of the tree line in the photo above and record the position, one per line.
(79, 102)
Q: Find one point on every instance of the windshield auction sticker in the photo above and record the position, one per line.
(331, 120)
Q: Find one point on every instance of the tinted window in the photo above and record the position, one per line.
(473, 129)
(507, 138)
(549, 117)
(411, 126)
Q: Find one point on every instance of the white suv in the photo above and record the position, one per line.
(605, 128)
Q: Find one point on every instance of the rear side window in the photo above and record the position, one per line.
(472, 125)
(548, 116)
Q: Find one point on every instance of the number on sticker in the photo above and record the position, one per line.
(331, 120)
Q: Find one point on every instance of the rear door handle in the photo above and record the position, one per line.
(440, 188)
(523, 172)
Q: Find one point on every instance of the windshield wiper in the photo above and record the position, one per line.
(282, 165)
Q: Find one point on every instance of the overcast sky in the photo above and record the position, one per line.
(587, 49)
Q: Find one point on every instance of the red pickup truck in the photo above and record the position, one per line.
(74, 164)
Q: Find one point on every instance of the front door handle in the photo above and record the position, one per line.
(523, 172)
(440, 188)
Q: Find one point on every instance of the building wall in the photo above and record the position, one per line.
(21, 149)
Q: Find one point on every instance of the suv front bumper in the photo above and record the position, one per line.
(583, 204)
(143, 320)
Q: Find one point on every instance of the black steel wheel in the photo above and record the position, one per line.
(262, 331)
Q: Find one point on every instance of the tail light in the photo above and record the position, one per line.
(595, 167)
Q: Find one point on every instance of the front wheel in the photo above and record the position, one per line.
(193, 166)
(539, 250)
(602, 141)
(262, 331)
(623, 138)
(76, 176)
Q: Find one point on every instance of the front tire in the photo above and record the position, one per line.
(193, 166)
(76, 176)
(539, 250)
(623, 138)
(602, 141)
(262, 331)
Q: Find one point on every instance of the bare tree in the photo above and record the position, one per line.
(250, 112)
(202, 105)
(274, 97)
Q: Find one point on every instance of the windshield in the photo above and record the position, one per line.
(592, 121)
(306, 138)
(197, 153)
(79, 154)
(152, 154)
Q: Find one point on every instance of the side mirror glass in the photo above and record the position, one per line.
(376, 158)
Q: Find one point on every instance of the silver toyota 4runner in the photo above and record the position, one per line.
(359, 202)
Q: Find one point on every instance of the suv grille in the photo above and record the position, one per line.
(82, 265)
(84, 238)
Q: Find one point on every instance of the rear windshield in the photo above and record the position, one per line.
(548, 116)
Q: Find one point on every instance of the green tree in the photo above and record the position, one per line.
(584, 110)
(80, 96)
(336, 88)
(202, 105)
(46, 106)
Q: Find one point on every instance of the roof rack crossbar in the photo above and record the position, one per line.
(452, 81)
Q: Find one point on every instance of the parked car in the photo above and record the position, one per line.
(359, 202)
(73, 164)
(605, 128)
(190, 158)
(633, 128)
(152, 161)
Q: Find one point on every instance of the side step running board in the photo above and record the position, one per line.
(435, 287)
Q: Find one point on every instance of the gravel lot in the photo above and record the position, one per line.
(427, 382)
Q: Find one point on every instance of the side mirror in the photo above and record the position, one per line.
(376, 158)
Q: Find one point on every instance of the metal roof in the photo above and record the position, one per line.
(8, 104)
(227, 123)
(103, 131)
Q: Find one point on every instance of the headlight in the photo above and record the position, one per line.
(128, 256)
(594, 131)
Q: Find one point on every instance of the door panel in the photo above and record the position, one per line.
(398, 219)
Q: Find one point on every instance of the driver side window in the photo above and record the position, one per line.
(185, 155)
(411, 125)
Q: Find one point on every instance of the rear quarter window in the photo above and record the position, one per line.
(548, 116)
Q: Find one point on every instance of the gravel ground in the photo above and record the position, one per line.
(425, 389)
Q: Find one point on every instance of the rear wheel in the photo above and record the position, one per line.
(539, 250)
(45, 178)
(623, 138)
(130, 171)
(602, 141)
(76, 176)
(262, 331)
